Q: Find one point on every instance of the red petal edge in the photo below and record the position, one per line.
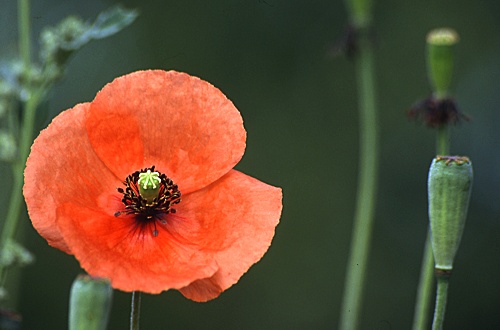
(238, 215)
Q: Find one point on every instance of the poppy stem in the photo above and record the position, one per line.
(23, 11)
(424, 290)
(443, 140)
(368, 172)
(426, 281)
(26, 135)
(441, 298)
(135, 311)
(15, 203)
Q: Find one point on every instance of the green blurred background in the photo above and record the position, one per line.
(272, 58)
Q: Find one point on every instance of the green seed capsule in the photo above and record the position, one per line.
(449, 187)
(90, 303)
(440, 58)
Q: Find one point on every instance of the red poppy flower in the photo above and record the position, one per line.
(139, 186)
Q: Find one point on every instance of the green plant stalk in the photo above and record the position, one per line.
(16, 198)
(23, 12)
(424, 291)
(443, 141)
(365, 203)
(26, 137)
(135, 310)
(441, 298)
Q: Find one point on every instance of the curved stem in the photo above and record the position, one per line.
(441, 298)
(421, 314)
(135, 311)
(365, 204)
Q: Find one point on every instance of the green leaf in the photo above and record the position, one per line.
(60, 42)
(76, 34)
(112, 21)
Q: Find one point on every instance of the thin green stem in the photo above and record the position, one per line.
(421, 315)
(443, 140)
(441, 299)
(23, 10)
(135, 311)
(16, 198)
(25, 139)
(365, 204)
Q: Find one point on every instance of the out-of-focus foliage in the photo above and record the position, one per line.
(58, 43)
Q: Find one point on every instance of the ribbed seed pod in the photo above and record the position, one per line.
(90, 303)
(449, 188)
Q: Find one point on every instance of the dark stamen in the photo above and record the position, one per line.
(144, 211)
(437, 112)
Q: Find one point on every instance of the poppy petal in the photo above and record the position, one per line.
(237, 215)
(62, 166)
(168, 119)
(133, 258)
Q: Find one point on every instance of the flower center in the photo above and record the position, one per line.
(149, 195)
(149, 185)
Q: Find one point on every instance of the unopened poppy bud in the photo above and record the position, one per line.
(90, 303)
(149, 185)
(440, 58)
(449, 187)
